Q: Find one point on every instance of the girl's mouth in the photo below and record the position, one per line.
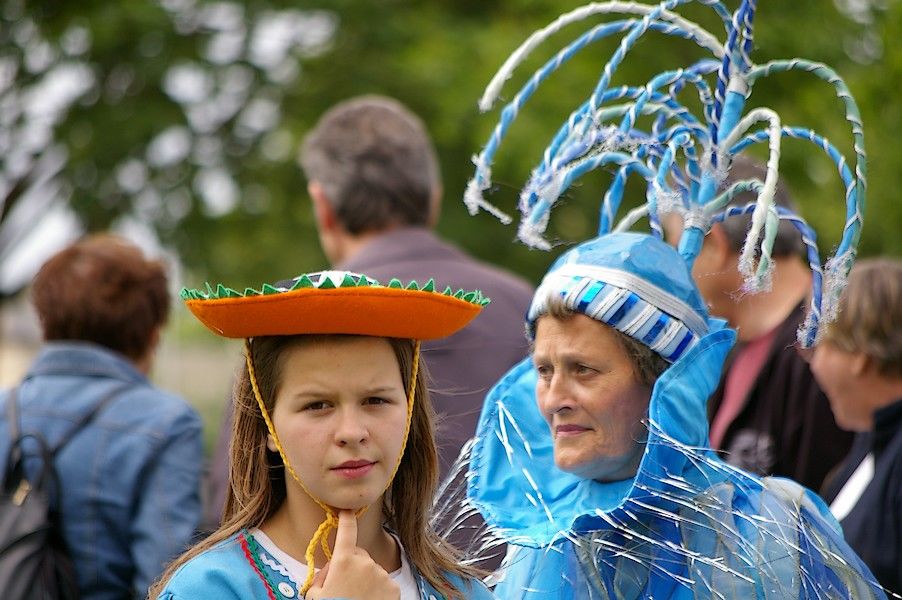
(354, 469)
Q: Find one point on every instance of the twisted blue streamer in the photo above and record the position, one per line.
(667, 157)
(808, 334)
(566, 131)
(806, 134)
(692, 75)
(512, 109)
(723, 76)
(855, 202)
(543, 205)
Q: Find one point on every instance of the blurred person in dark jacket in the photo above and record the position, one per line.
(768, 415)
(858, 362)
(131, 476)
(374, 180)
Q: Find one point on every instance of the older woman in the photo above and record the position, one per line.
(859, 364)
(591, 459)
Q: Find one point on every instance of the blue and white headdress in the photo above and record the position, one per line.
(684, 158)
(636, 284)
(686, 525)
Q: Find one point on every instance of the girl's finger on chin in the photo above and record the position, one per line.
(318, 581)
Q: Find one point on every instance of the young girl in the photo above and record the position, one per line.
(332, 437)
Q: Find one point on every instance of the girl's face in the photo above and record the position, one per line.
(340, 412)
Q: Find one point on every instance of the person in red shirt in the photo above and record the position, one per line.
(768, 415)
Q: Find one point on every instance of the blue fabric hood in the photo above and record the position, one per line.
(517, 487)
(642, 255)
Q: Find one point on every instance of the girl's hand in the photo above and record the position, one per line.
(351, 574)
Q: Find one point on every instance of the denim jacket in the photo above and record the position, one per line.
(236, 569)
(130, 479)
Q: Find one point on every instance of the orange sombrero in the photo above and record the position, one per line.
(335, 302)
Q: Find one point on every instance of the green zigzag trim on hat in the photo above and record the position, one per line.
(325, 280)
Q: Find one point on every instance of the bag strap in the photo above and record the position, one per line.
(15, 473)
(14, 480)
(12, 415)
(87, 418)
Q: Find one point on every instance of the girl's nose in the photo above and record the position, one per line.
(351, 428)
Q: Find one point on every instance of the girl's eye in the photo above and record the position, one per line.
(376, 400)
(317, 405)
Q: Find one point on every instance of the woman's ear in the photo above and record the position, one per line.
(860, 363)
(271, 443)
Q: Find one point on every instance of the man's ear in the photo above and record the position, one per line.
(718, 249)
(323, 212)
(435, 206)
(154, 338)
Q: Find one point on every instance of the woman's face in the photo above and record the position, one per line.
(588, 393)
(340, 413)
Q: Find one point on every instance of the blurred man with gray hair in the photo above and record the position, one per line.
(374, 180)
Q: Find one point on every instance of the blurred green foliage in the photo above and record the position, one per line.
(436, 57)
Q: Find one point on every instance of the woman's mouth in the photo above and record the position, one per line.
(569, 430)
(353, 469)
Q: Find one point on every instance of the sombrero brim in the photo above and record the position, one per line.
(375, 311)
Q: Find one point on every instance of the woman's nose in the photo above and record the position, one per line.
(556, 395)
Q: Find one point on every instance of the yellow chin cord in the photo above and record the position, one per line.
(331, 521)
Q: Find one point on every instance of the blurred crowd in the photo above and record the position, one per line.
(131, 480)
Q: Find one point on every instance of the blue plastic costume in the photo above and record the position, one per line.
(225, 571)
(687, 525)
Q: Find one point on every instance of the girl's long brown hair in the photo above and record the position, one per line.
(257, 475)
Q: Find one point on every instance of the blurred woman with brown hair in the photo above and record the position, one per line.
(858, 363)
(131, 475)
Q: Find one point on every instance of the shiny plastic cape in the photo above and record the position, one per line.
(687, 526)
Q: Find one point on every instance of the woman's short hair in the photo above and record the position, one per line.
(869, 319)
(102, 290)
(647, 364)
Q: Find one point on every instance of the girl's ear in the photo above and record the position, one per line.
(271, 443)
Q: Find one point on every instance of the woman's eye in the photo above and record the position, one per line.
(317, 405)
(376, 400)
